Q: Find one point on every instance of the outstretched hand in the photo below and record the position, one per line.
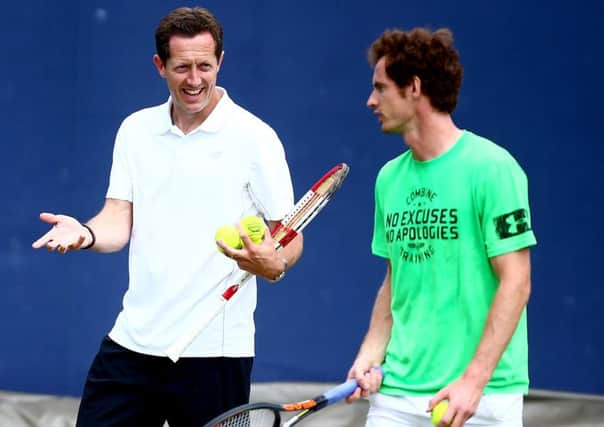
(66, 233)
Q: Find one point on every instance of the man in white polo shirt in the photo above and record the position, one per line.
(180, 170)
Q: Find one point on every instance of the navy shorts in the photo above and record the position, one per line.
(125, 388)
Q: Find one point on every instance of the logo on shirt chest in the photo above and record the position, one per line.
(415, 227)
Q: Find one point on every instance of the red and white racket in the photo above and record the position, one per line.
(300, 216)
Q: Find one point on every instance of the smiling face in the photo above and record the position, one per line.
(191, 71)
(394, 106)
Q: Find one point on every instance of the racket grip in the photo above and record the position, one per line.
(345, 389)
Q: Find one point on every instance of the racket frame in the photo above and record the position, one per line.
(303, 212)
(304, 407)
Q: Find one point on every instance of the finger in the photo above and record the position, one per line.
(451, 419)
(77, 244)
(51, 245)
(61, 249)
(371, 386)
(363, 380)
(42, 241)
(268, 237)
(376, 378)
(371, 383)
(247, 241)
(236, 255)
(441, 395)
(356, 394)
(226, 249)
(48, 217)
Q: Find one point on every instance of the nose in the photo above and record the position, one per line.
(371, 101)
(194, 77)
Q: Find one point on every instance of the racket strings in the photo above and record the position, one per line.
(261, 417)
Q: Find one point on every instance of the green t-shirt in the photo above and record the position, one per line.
(439, 222)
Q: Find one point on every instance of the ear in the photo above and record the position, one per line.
(220, 61)
(415, 87)
(161, 68)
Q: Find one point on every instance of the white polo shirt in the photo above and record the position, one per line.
(182, 188)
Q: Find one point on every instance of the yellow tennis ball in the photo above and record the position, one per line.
(254, 227)
(438, 411)
(229, 235)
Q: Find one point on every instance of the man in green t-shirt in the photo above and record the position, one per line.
(452, 221)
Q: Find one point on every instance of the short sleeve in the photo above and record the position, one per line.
(270, 181)
(379, 245)
(120, 182)
(506, 216)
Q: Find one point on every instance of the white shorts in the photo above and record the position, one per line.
(494, 410)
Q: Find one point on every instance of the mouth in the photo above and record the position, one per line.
(191, 92)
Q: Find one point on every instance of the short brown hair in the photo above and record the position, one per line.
(426, 54)
(186, 21)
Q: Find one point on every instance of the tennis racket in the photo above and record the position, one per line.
(269, 414)
(302, 213)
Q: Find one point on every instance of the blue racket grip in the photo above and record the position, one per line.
(345, 389)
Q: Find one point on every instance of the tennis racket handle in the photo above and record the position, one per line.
(345, 389)
(182, 342)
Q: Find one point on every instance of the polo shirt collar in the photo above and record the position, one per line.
(212, 124)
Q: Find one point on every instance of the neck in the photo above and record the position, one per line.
(431, 135)
(187, 122)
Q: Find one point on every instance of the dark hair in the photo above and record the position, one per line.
(425, 54)
(186, 21)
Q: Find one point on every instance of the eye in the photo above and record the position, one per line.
(378, 88)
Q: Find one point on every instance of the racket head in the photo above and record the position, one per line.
(332, 180)
(310, 205)
(249, 415)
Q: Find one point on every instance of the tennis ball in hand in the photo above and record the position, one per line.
(230, 236)
(438, 411)
(254, 227)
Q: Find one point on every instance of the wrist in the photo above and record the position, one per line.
(477, 374)
(92, 237)
(283, 270)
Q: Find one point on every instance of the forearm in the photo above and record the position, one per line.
(506, 309)
(293, 251)
(373, 348)
(111, 227)
(287, 257)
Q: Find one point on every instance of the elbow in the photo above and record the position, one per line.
(123, 242)
(121, 246)
(118, 244)
(524, 290)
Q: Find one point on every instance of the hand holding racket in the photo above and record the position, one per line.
(269, 414)
(294, 222)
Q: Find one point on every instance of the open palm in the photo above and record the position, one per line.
(66, 233)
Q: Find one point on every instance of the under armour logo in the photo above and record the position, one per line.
(512, 224)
